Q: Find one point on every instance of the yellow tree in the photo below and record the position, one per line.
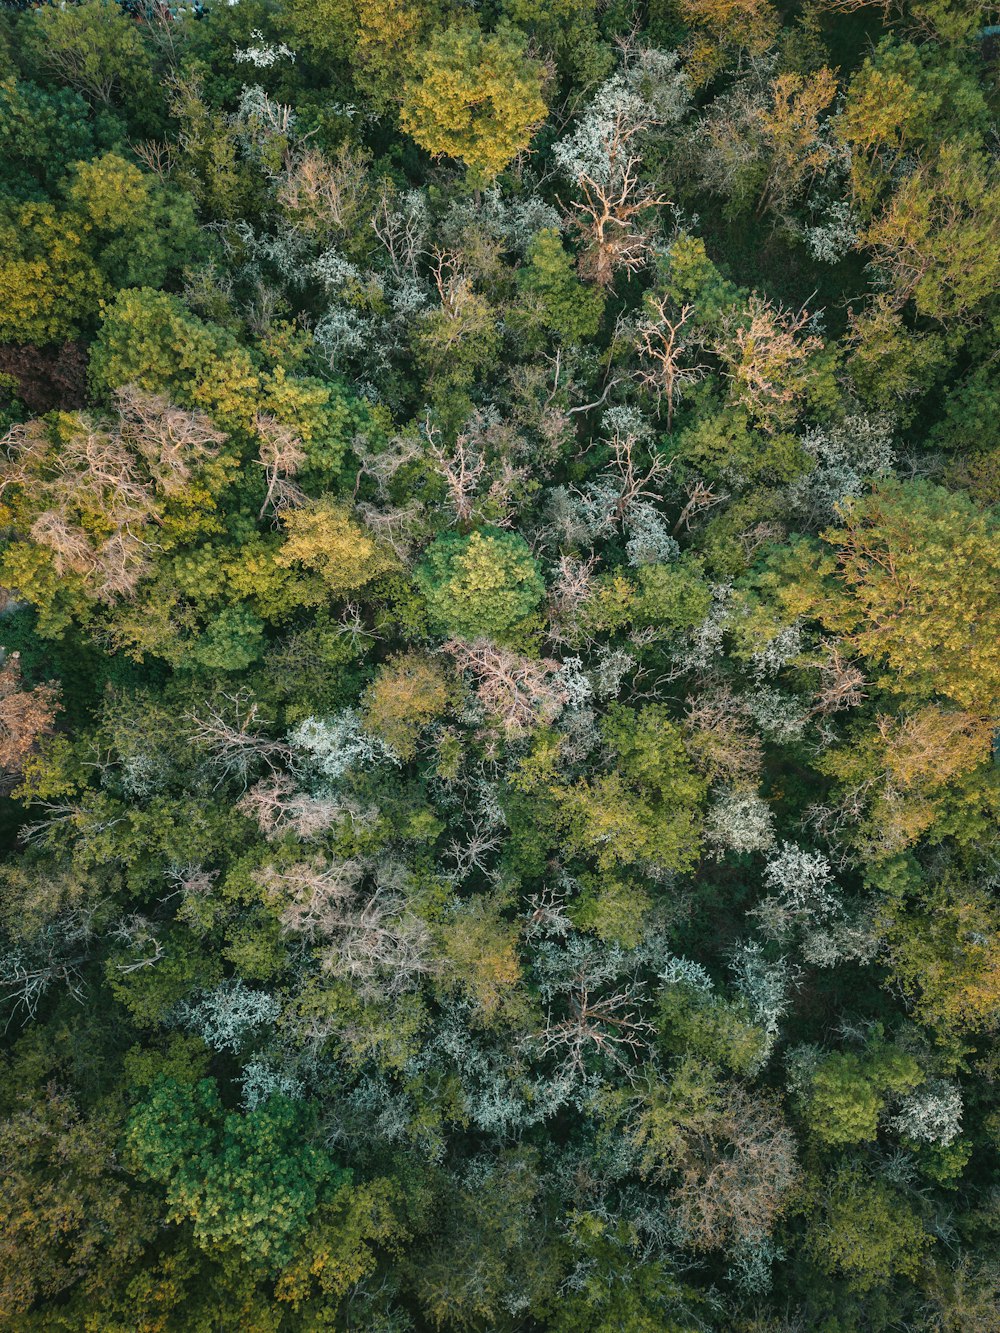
(476, 97)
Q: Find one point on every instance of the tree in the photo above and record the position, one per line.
(86, 493)
(324, 539)
(603, 157)
(96, 47)
(571, 310)
(249, 1183)
(69, 1218)
(486, 584)
(720, 26)
(646, 810)
(25, 715)
(140, 231)
(474, 97)
(49, 284)
(863, 1230)
(408, 693)
(945, 955)
(848, 1092)
(933, 242)
(918, 576)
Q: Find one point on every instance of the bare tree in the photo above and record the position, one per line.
(359, 910)
(841, 683)
(281, 455)
(462, 469)
(229, 732)
(279, 808)
(613, 215)
(700, 496)
(604, 1024)
(325, 197)
(122, 470)
(662, 347)
(520, 692)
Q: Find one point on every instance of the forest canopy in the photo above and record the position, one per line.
(499, 666)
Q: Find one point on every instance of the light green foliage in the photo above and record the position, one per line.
(646, 812)
(568, 307)
(150, 339)
(920, 571)
(249, 1182)
(49, 284)
(848, 1092)
(862, 1230)
(484, 585)
(141, 233)
(96, 47)
(474, 96)
(702, 1024)
(934, 240)
(672, 596)
(323, 538)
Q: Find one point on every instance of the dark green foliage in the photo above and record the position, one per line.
(250, 1181)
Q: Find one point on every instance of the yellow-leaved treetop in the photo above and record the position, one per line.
(475, 96)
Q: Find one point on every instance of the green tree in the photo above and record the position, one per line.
(863, 1230)
(483, 585)
(848, 1092)
(570, 308)
(476, 97)
(247, 1182)
(49, 284)
(95, 46)
(646, 811)
(141, 233)
(919, 569)
(68, 1217)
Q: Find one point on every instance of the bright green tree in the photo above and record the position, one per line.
(476, 97)
(849, 1091)
(483, 585)
(864, 1231)
(247, 1182)
(570, 308)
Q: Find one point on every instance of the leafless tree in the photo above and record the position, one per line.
(462, 469)
(520, 692)
(662, 347)
(279, 808)
(737, 1176)
(139, 935)
(25, 715)
(841, 683)
(628, 477)
(699, 498)
(613, 214)
(605, 1024)
(324, 196)
(720, 741)
(281, 455)
(401, 232)
(358, 911)
(229, 732)
(568, 594)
